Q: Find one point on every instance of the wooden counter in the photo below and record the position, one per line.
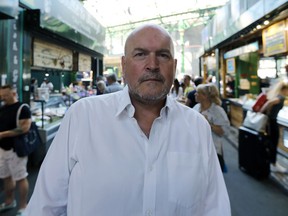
(236, 112)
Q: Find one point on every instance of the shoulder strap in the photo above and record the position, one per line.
(19, 111)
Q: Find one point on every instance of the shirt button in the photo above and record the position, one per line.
(150, 168)
(148, 212)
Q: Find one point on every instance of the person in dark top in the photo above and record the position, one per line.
(33, 87)
(190, 101)
(230, 86)
(276, 97)
(12, 168)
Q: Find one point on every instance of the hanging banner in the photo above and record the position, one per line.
(275, 39)
(49, 55)
(14, 56)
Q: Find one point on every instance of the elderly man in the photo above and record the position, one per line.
(134, 152)
(113, 85)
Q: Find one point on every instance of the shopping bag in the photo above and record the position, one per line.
(25, 144)
(255, 121)
(260, 101)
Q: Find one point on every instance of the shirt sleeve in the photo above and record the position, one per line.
(25, 113)
(51, 190)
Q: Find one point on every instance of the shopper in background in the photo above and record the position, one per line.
(47, 84)
(112, 84)
(12, 168)
(188, 85)
(176, 90)
(33, 87)
(276, 97)
(191, 100)
(209, 105)
(134, 152)
(230, 86)
(101, 87)
(103, 80)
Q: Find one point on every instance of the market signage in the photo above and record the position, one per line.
(84, 63)
(49, 55)
(230, 66)
(14, 57)
(275, 39)
(252, 47)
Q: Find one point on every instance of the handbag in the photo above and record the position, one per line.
(255, 121)
(25, 144)
(260, 101)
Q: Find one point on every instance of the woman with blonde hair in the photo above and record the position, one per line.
(209, 105)
(276, 97)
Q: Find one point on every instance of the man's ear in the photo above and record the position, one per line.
(175, 62)
(123, 63)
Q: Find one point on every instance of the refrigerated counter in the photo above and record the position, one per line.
(48, 115)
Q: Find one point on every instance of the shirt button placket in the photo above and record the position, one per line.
(149, 184)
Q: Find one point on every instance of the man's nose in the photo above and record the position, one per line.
(152, 62)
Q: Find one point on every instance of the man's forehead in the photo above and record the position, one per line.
(150, 34)
(146, 44)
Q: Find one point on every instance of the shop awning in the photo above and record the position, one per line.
(68, 19)
(8, 9)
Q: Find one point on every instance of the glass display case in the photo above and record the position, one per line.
(48, 115)
(45, 113)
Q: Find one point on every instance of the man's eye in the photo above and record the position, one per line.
(164, 56)
(139, 54)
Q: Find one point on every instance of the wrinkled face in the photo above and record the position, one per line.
(149, 65)
(7, 96)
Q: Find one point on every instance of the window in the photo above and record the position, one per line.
(267, 68)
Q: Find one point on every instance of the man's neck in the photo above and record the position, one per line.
(145, 114)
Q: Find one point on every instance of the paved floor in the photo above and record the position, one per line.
(248, 196)
(33, 172)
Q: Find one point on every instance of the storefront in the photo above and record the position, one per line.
(251, 45)
(59, 41)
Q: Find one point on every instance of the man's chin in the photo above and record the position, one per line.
(151, 97)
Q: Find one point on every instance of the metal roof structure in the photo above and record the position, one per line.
(183, 19)
(123, 15)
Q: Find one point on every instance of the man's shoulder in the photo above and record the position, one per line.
(97, 100)
(12, 108)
